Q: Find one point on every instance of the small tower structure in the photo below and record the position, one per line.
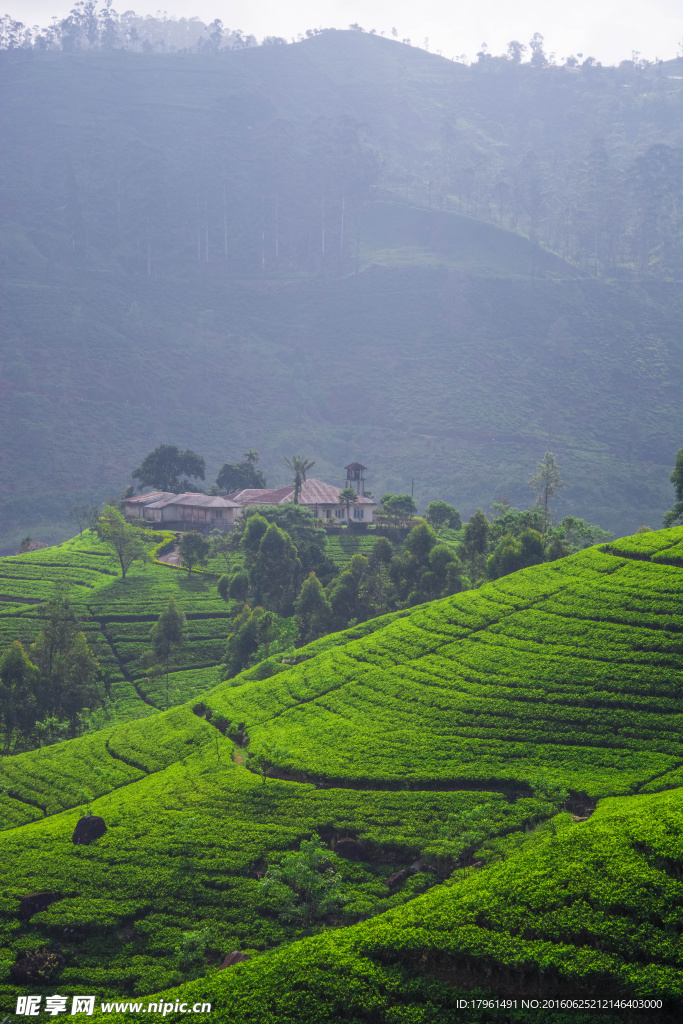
(355, 477)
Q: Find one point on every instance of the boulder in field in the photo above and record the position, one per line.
(349, 849)
(395, 880)
(88, 830)
(34, 902)
(37, 966)
(236, 957)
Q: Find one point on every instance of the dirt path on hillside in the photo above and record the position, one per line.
(171, 557)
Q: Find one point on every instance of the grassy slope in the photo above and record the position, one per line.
(593, 707)
(441, 360)
(118, 615)
(580, 912)
(570, 669)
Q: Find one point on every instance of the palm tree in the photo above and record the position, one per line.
(299, 467)
(251, 457)
(253, 477)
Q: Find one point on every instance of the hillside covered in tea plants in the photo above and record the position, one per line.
(481, 796)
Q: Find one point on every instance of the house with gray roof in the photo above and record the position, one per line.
(183, 511)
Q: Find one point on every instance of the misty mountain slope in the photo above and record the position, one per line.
(284, 247)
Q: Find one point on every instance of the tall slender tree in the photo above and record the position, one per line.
(347, 498)
(167, 637)
(675, 514)
(546, 482)
(299, 467)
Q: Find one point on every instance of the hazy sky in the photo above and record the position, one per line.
(608, 30)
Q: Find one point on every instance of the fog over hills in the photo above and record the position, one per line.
(346, 247)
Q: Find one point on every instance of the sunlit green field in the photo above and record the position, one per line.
(464, 742)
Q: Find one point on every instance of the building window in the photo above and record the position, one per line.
(339, 513)
(218, 514)
(328, 513)
(358, 513)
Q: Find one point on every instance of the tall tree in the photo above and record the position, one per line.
(312, 608)
(398, 507)
(276, 571)
(238, 476)
(675, 514)
(163, 468)
(167, 636)
(440, 514)
(193, 550)
(125, 539)
(69, 672)
(244, 639)
(546, 482)
(302, 525)
(299, 467)
(475, 544)
(347, 498)
(18, 683)
(80, 687)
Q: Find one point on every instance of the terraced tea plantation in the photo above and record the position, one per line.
(118, 614)
(569, 672)
(448, 760)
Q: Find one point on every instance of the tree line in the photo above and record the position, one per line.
(89, 27)
(278, 571)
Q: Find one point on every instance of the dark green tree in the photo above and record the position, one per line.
(312, 608)
(238, 590)
(243, 641)
(440, 515)
(675, 514)
(276, 571)
(420, 542)
(397, 508)
(507, 519)
(446, 573)
(303, 887)
(163, 468)
(475, 544)
(303, 526)
(80, 691)
(18, 684)
(239, 476)
(347, 498)
(514, 553)
(167, 637)
(345, 594)
(69, 673)
(193, 550)
(382, 552)
(254, 532)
